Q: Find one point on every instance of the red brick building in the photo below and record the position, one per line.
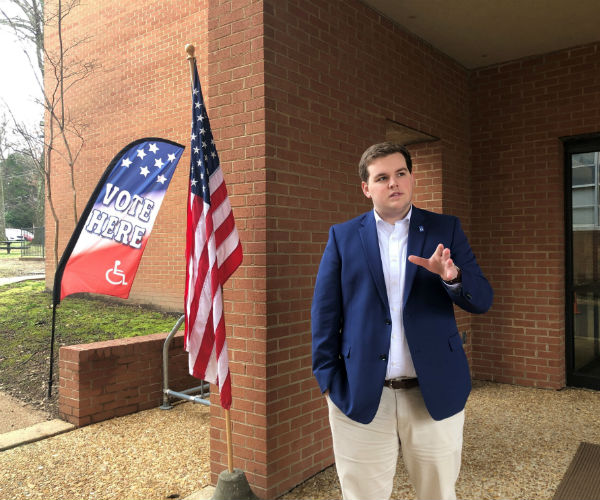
(296, 90)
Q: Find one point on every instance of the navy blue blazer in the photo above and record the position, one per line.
(351, 325)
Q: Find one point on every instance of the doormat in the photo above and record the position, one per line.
(582, 479)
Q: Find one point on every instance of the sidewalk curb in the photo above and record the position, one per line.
(34, 433)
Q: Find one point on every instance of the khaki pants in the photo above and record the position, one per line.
(366, 454)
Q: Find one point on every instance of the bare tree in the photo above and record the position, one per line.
(58, 70)
(28, 26)
(31, 144)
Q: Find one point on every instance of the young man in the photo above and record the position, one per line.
(386, 349)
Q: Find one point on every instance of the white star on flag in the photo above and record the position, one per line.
(158, 163)
(144, 171)
(153, 148)
(171, 157)
(140, 153)
(126, 162)
(161, 178)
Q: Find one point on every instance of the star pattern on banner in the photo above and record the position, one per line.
(154, 160)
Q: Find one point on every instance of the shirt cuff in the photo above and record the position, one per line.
(456, 288)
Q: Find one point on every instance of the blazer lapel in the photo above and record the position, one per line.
(370, 244)
(416, 239)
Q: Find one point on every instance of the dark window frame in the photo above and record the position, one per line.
(573, 145)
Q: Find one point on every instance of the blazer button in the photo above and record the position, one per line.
(383, 357)
(388, 321)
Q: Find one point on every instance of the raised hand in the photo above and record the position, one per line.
(439, 263)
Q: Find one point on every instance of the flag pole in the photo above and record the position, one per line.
(51, 375)
(229, 445)
(190, 49)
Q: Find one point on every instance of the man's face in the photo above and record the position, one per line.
(390, 186)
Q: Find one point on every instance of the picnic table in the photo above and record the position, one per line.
(9, 244)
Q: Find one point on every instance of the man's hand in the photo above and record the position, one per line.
(439, 263)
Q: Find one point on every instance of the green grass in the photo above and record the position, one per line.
(28, 315)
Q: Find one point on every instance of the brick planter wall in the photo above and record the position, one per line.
(110, 379)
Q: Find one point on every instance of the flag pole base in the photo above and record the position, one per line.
(233, 486)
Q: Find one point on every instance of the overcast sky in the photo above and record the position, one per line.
(18, 87)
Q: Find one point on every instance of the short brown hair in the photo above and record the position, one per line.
(378, 151)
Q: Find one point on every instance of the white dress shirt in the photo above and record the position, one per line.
(393, 242)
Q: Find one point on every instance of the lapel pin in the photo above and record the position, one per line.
(421, 229)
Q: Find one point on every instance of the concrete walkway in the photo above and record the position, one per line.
(16, 279)
(32, 425)
(17, 414)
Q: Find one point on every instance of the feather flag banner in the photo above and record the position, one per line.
(105, 249)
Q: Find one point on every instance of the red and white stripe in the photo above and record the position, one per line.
(213, 253)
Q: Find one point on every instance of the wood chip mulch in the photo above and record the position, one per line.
(518, 443)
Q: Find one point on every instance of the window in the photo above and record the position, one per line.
(585, 183)
(582, 247)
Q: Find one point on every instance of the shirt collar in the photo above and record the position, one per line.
(380, 221)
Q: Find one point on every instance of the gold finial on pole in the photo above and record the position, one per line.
(190, 49)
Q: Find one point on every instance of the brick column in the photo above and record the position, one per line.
(234, 90)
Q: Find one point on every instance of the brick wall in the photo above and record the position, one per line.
(520, 110)
(113, 378)
(236, 105)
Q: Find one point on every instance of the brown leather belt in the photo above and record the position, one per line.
(401, 383)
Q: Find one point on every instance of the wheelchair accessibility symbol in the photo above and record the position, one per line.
(115, 276)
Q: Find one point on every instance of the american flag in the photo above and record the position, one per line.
(213, 253)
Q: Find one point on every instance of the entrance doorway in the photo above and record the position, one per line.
(582, 196)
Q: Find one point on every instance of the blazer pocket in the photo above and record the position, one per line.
(455, 342)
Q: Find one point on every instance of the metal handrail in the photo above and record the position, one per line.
(185, 394)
